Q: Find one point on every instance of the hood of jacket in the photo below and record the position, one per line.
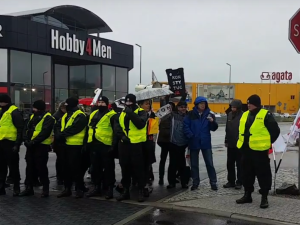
(197, 101)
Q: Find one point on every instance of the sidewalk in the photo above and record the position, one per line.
(222, 202)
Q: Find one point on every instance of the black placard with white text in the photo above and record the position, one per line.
(176, 81)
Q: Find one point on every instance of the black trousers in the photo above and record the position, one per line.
(85, 162)
(59, 163)
(177, 163)
(256, 164)
(149, 159)
(165, 147)
(36, 159)
(9, 159)
(131, 160)
(234, 157)
(72, 166)
(103, 165)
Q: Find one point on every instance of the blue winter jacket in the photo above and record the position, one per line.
(197, 128)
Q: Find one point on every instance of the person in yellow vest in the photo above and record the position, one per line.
(72, 134)
(37, 139)
(257, 131)
(11, 137)
(132, 130)
(100, 143)
(149, 145)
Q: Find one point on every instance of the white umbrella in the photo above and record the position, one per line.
(152, 93)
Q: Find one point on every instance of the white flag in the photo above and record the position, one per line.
(295, 129)
(279, 145)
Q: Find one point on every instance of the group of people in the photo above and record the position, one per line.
(92, 142)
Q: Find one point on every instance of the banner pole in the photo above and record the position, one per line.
(299, 162)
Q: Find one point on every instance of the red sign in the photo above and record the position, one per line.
(276, 76)
(294, 31)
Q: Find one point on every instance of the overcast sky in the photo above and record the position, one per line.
(199, 35)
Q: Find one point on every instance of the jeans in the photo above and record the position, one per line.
(208, 159)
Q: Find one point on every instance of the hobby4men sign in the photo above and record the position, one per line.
(70, 43)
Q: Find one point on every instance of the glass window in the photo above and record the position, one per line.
(109, 78)
(61, 76)
(121, 79)
(41, 69)
(3, 65)
(20, 67)
(77, 93)
(60, 96)
(92, 76)
(120, 94)
(110, 95)
(77, 77)
(42, 93)
(90, 93)
(21, 96)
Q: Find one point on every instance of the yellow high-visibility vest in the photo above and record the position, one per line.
(260, 138)
(103, 129)
(38, 129)
(135, 135)
(8, 131)
(78, 138)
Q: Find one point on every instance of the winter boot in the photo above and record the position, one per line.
(245, 199)
(66, 193)
(16, 190)
(146, 192)
(124, 196)
(264, 202)
(45, 193)
(141, 196)
(109, 193)
(96, 192)
(27, 192)
(161, 181)
(229, 185)
(79, 193)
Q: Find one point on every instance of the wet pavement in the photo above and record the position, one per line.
(175, 217)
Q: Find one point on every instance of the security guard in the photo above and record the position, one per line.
(11, 132)
(37, 139)
(100, 145)
(257, 131)
(72, 132)
(132, 130)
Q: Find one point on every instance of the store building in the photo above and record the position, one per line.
(50, 54)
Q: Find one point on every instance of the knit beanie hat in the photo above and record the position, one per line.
(181, 103)
(39, 105)
(254, 100)
(4, 98)
(130, 98)
(104, 99)
(71, 102)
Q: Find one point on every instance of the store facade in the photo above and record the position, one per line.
(50, 54)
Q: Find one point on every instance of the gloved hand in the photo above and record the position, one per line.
(125, 139)
(128, 109)
(16, 149)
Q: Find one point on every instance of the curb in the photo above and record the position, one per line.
(218, 213)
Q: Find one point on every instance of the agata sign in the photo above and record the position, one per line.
(71, 43)
(277, 76)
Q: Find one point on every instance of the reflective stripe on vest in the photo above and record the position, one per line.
(135, 135)
(103, 129)
(78, 138)
(38, 129)
(260, 138)
(8, 131)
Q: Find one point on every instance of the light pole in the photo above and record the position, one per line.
(140, 62)
(229, 81)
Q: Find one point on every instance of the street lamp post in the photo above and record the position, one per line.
(229, 81)
(140, 62)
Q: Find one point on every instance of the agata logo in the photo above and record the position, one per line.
(276, 76)
(71, 43)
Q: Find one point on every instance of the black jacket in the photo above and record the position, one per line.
(232, 128)
(139, 120)
(46, 128)
(270, 124)
(77, 126)
(18, 122)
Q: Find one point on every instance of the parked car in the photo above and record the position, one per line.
(293, 115)
(286, 115)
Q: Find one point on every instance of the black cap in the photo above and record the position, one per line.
(105, 99)
(4, 98)
(39, 105)
(182, 103)
(130, 98)
(254, 100)
(71, 102)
